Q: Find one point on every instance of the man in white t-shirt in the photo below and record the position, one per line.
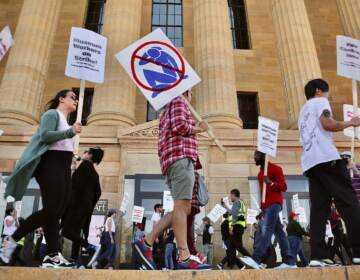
(156, 217)
(327, 173)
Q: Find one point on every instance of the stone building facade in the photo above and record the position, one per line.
(287, 42)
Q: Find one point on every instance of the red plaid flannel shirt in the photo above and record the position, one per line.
(176, 138)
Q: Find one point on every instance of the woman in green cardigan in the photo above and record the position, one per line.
(48, 158)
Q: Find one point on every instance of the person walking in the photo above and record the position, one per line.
(354, 171)
(275, 186)
(327, 173)
(169, 250)
(86, 192)
(48, 158)
(295, 236)
(178, 152)
(208, 232)
(109, 241)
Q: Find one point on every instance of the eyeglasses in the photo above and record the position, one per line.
(73, 97)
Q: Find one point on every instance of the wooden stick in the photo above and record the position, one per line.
(210, 131)
(265, 174)
(79, 115)
(356, 129)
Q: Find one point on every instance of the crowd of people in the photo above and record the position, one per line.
(68, 199)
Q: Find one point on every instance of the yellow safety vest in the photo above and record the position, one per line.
(242, 213)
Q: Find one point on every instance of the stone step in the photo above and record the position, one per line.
(338, 273)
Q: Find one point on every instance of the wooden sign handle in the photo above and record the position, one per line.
(265, 174)
(79, 114)
(210, 131)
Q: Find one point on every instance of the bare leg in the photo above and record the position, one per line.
(179, 224)
(159, 228)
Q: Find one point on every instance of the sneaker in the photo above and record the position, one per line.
(202, 258)
(192, 263)
(250, 262)
(356, 261)
(97, 250)
(286, 266)
(220, 266)
(7, 249)
(57, 261)
(322, 263)
(144, 253)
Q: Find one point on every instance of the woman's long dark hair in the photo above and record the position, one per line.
(54, 103)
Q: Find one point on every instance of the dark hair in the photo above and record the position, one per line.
(54, 103)
(97, 154)
(21, 220)
(235, 192)
(226, 215)
(313, 85)
(9, 210)
(158, 205)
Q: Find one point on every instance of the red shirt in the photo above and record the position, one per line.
(274, 192)
(176, 138)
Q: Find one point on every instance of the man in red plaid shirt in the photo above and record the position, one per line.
(178, 152)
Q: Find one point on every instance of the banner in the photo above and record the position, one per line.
(86, 55)
(168, 202)
(216, 213)
(6, 41)
(227, 202)
(267, 136)
(296, 202)
(251, 216)
(348, 115)
(157, 68)
(302, 215)
(101, 207)
(137, 214)
(348, 57)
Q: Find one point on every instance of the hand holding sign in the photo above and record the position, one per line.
(267, 143)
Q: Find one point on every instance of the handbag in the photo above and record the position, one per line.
(202, 194)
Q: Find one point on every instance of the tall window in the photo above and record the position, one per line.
(95, 15)
(167, 15)
(239, 24)
(88, 98)
(151, 113)
(248, 109)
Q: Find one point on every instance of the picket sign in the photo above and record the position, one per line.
(348, 65)
(265, 174)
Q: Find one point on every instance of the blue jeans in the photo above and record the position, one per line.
(272, 225)
(110, 252)
(296, 249)
(169, 262)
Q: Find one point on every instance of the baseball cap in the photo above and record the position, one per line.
(346, 154)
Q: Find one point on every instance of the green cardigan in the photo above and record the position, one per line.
(45, 135)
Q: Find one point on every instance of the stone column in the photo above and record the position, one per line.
(216, 98)
(25, 74)
(297, 53)
(350, 17)
(114, 100)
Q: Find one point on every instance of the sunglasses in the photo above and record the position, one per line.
(73, 97)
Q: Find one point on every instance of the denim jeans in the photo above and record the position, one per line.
(110, 252)
(169, 262)
(272, 225)
(208, 252)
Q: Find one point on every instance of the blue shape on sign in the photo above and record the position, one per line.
(170, 70)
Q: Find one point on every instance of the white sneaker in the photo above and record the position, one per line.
(356, 261)
(97, 249)
(7, 249)
(286, 266)
(249, 262)
(57, 261)
(322, 263)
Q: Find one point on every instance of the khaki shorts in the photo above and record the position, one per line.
(181, 179)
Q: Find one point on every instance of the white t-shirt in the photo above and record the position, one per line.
(318, 143)
(155, 218)
(9, 230)
(65, 144)
(112, 225)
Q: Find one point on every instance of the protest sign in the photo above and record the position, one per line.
(18, 206)
(168, 201)
(6, 41)
(302, 215)
(227, 202)
(216, 213)
(125, 202)
(137, 214)
(296, 202)
(348, 115)
(251, 216)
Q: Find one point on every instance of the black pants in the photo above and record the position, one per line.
(75, 221)
(54, 177)
(332, 180)
(340, 239)
(237, 240)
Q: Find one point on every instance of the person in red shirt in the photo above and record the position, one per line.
(178, 153)
(275, 186)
